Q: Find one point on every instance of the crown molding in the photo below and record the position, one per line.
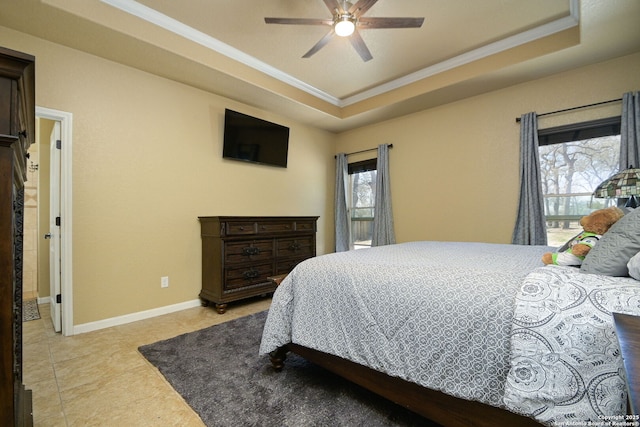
(520, 39)
(161, 20)
(154, 17)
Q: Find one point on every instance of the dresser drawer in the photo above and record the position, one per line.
(309, 226)
(247, 275)
(240, 228)
(298, 247)
(285, 266)
(248, 250)
(267, 227)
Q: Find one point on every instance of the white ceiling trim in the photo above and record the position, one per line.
(161, 20)
(153, 16)
(482, 52)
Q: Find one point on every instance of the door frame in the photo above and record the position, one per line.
(54, 227)
(66, 213)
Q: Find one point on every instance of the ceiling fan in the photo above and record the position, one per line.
(347, 19)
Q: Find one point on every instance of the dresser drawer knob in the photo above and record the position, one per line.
(251, 274)
(250, 251)
(294, 246)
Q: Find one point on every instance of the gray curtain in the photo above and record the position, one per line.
(630, 131)
(530, 228)
(342, 220)
(383, 233)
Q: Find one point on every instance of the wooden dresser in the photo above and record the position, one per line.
(240, 253)
(17, 132)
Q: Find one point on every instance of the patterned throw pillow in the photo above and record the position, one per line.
(616, 247)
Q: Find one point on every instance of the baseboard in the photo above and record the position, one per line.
(133, 317)
(44, 300)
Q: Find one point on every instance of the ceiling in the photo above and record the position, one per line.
(464, 48)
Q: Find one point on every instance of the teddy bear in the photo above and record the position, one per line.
(594, 226)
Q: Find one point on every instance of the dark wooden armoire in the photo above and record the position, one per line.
(17, 132)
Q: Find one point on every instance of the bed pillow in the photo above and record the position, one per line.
(634, 266)
(616, 247)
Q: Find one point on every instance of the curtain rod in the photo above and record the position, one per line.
(574, 108)
(364, 151)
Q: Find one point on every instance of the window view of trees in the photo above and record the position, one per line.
(363, 192)
(570, 172)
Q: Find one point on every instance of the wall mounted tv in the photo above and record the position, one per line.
(254, 140)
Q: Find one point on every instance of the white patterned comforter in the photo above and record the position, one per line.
(566, 367)
(438, 314)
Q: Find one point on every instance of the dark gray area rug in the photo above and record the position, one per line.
(221, 376)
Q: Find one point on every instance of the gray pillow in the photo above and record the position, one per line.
(616, 247)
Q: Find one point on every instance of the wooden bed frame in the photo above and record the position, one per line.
(628, 334)
(434, 405)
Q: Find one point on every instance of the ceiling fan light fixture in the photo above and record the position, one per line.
(345, 26)
(345, 19)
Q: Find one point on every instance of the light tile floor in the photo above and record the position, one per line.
(100, 379)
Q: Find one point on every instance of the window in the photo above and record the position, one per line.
(574, 159)
(362, 184)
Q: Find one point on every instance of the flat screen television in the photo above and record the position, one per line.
(254, 140)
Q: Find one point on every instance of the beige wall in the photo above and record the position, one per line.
(147, 161)
(454, 169)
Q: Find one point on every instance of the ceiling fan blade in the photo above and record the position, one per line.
(298, 21)
(367, 22)
(323, 41)
(361, 7)
(332, 5)
(361, 48)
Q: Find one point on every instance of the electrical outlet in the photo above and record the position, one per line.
(164, 282)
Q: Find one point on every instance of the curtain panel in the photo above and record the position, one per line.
(342, 220)
(630, 131)
(383, 232)
(530, 228)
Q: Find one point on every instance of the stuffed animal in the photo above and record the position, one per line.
(594, 226)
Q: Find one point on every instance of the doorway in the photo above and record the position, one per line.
(56, 264)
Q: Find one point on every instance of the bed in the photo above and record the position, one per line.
(462, 333)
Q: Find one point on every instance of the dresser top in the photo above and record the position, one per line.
(257, 218)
